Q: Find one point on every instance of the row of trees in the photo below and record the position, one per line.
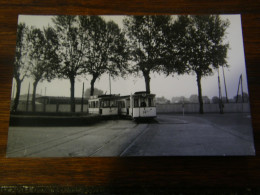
(215, 100)
(80, 45)
(76, 45)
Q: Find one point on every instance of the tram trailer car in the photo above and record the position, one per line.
(104, 105)
(142, 105)
(123, 103)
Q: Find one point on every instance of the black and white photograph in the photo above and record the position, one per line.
(123, 86)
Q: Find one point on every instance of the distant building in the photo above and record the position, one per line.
(59, 104)
(162, 100)
(58, 100)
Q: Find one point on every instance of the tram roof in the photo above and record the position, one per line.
(142, 93)
(112, 96)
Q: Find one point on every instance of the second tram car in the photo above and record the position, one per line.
(104, 105)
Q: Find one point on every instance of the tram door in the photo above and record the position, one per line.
(119, 105)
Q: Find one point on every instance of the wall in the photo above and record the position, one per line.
(52, 108)
(208, 108)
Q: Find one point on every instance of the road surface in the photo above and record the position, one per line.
(167, 135)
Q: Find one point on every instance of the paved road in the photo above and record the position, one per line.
(169, 135)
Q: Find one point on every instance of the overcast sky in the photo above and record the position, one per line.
(183, 85)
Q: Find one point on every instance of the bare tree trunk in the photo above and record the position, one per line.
(35, 83)
(17, 95)
(201, 111)
(72, 91)
(147, 82)
(92, 83)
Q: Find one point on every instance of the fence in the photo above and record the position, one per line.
(161, 108)
(52, 107)
(208, 108)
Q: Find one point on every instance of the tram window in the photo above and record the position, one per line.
(150, 102)
(105, 103)
(127, 103)
(136, 104)
(143, 103)
(115, 103)
(96, 104)
(112, 103)
(122, 104)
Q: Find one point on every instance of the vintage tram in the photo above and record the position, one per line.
(138, 105)
(142, 105)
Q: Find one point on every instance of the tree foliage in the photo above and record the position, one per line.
(42, 56)
(104, 49)
(70, 51)
(148, 36)
(204, 46)
(215, 100)
(176, 47)
(97, 91)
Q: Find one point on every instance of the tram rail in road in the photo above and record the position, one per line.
(167, 135)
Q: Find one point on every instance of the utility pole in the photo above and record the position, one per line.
(109, 83)
(225, 84)
(240, 84)
(242, 92)
(27, 102)
(82, 98)
(183, 106)
(220, 95)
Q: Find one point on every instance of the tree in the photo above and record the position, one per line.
(180, 99)
(162, 100)
(105, 48)
(70, 51)
(176, 58)
(96, 92)
(42, 56)
(239, 98)
(20, 66)
(205, 99)
(205, 49)
(215, 100)
(193, 98)
(148, 36)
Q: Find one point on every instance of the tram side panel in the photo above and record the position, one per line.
(144, 112)
(109, 111)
